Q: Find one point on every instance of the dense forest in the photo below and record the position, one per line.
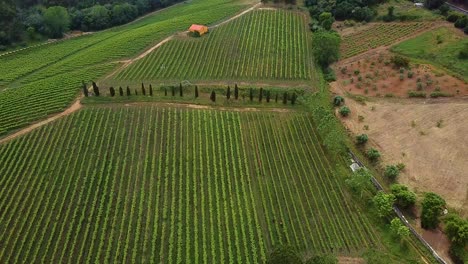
(23, 20)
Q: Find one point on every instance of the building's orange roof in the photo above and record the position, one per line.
(196, 27)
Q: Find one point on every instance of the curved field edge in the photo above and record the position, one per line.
(38, 71)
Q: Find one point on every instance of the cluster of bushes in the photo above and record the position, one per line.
(287, 255)
(22, 20)
(459, 20)
(343, 9)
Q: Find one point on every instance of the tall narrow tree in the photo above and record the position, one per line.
(85, 89)
(228, 93)
(120, 91)
(181, 90)
(136, 92)
(95, 89)
(236, 92)
(260, 95)
(165, 91)
(268, 96)
(293, 98)
(196, 91)
(173, 90)
(151, 90)
(251, 94)
(128, 91)
(285, 98)
(276, 98)
(112, 91)
(143, 90)
(213, 96)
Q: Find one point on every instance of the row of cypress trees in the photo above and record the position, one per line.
(262, 93)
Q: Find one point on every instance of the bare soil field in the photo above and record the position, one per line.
(374, 75)
(430, 136)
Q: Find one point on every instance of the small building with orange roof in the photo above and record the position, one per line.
(198, 28)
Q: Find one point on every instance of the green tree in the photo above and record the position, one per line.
(456, 229)
(360, 181)
(326, 47)
(228, 93)
(112, 91)
(362, 139)
(326, 20)
(85, 89)
(283, 255)
(260, 95)
(173, 90)
(143, 90)
(268, 96)
(384, 203)
(338, 100)
(136, 92)
(404, 197)
(151, 90)
(165, 91)
(391, 172)
(344, 111)
(213, 96)
(322, 259)
(236, 92)
(196, 91)
(433, 4)
(373, 154)
(293, 98)
(181, 90)
(128, 91)
(56, 21)
(121, 91)
(95, 89)
(432, 207)
(285, 98)
(399, 229)
(251, 94)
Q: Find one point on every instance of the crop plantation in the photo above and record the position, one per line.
(378, 35)
(161, 184)
(263, 45)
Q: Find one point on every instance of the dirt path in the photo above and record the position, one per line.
(159, 44)
(73, 108)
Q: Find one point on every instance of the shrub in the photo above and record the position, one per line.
(373, 154)
(338, 100)
(432, 207)
(404, 197)
(402, 77)
(453, 17)
(417, 94)
(463, 54)
(362, 139)
(384, 203)
(344, 111)
(410, 74)
(461, 22)
(400, 61)
(398, 229)
(283, 254)
(439, 94)
(391, 172)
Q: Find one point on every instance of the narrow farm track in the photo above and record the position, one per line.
(159, 44)
(73, 108)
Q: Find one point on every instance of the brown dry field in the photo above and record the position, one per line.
(379, 79)
(405, 130)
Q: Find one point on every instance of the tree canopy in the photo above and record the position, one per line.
(56, 21)
(326, 47)
(432, 207)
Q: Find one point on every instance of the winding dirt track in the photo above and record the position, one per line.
(77, 105)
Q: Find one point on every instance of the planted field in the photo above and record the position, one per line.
(378, 35)
(45, 79)
(139, 184)
(261, 45)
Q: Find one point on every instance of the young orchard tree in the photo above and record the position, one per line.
(95, 89)
(213, 96)
(360, 181)
(143, 90)
(338, 100)
(151, 90)
(432, 207)
(404, 197)
(121, 91)
(373, 154)
(391, 172)
(181, 90)
(236, 92)
(85, 89)
(384, 203)
(196, 91)
(228, 93)
(344, 111)
(128, 91)
(112, 91)
(260, 95)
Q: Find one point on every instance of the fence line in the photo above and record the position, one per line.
(400, 215)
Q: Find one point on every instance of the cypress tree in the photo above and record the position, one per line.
(276, 98)
(181, 93)
(136, 92)
(213, 96)
(260, 95)
(85, 89)
(268, 96)
(120, 91)
(285, 98)
(165, 91)
(293, 98)
(173, 90)
(228, 93)
(251, 94)
(112, 91)
(143, 90)
(128, 91)
(236, 92)
(95, 89)
(151, 90)
(196, 91)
